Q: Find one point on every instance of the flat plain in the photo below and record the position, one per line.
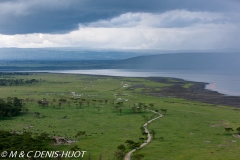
(111, 110)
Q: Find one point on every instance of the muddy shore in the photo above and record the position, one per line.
(196, 92)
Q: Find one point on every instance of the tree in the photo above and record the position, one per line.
(121, 148)
(37, 114)
(133, 109)
(80, 104)
(132, 144)
(100, 101)
(139, 109)
(89, 157)
(151, 105)
(145, 117)
(119, 155)
(141, 104)
(25, 110)
(19, 142)
(27, 99)
(238, 129)
(228, 129)
(62, 100)
(145, 107)
(116, 108)
(129, 142)
(120, 110)
(135, 145)
(11, 107)
(164, 111)
(121, 152)
(106, 101)
(144, 133)
(88, 102)
(94, 100)
(39, 102)
(100, 157)
(80, 134)
(59, 105)
(141, 139)
(119, 103)
(153, 133)
(75, 148)
(44, 103)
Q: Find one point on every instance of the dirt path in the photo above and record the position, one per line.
(128, 155)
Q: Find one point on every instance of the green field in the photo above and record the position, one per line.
(189, 130)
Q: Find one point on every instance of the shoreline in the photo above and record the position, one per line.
(196, 92)
(216, 82)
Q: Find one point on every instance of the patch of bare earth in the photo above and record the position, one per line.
(62, 141)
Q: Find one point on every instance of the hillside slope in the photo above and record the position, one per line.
(185, 61)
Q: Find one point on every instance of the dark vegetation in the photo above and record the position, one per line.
(8, 79)
(177, 88)
(19, 141)
(25, 141)
(17, 82)
(30, 141)
(9, 74)
(195, 92)
(10, 108)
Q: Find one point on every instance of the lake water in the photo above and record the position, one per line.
(223, 82)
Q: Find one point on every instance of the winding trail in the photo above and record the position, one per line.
(128, 155)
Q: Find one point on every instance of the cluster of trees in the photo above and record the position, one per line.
(17, 82)
(132, 145)
(12, 73)
(10, 107)
(77, 101)
(120, 153)
(122, 150)
(42, 102)
(24, 142)
(228, 129)
(138, 107)
(80, 134)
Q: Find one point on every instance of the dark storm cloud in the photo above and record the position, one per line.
(59, 16)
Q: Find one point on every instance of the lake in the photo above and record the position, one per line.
(223, 82)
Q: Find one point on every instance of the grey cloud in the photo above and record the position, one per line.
(170, 19)
(180, 20)
(59, 16)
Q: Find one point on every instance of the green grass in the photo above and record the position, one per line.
(187, 85)
(189, 130)
(194, 132)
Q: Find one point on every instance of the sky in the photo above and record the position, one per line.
(121, 24)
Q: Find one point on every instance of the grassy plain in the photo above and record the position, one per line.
(189, 130)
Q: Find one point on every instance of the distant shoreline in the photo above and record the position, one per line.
(196, 92)
(221, 82)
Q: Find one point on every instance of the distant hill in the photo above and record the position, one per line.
(61, 54)
(185, 61)
(74, 58)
